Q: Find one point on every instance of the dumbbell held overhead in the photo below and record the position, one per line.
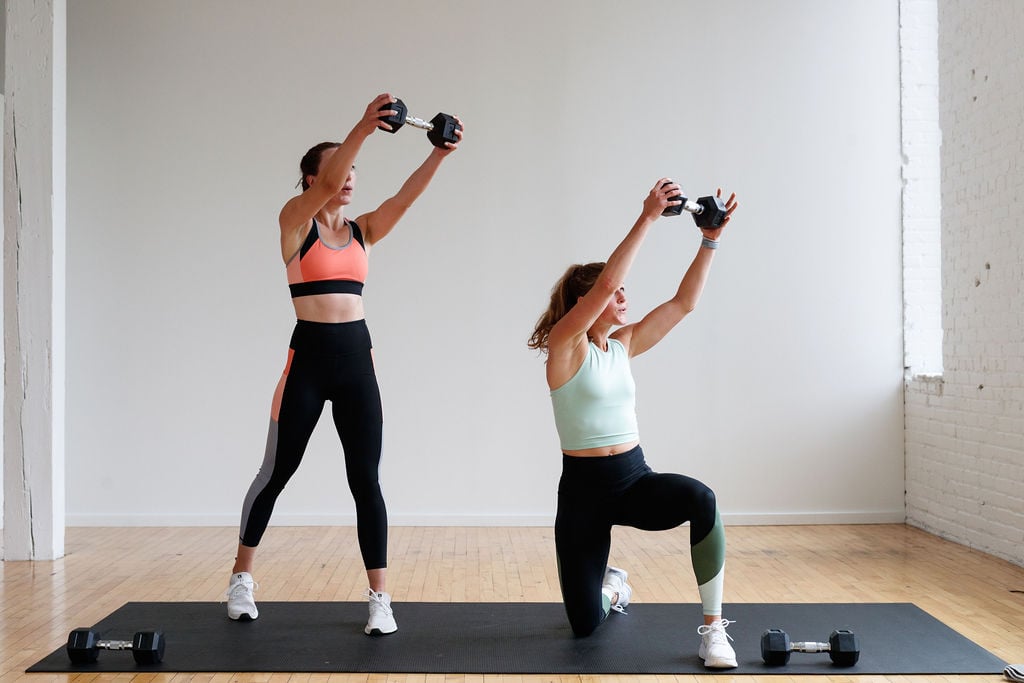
(84, 645)
(440, 129)
(708, 212)
(842, 647)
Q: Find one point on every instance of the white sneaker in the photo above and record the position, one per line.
(241, 604)
(382, 617)
(1014, 672)
(715, 649)
(615, 582)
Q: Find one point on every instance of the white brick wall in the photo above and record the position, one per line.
(965, 430)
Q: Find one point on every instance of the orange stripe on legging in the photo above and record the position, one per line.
(275, 407)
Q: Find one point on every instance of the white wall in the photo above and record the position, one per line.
(922, 187)
(186, 122)
(965, 430)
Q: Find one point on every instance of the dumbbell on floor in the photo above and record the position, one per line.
(84, 645)
(708, 212)
(440, 129)
(842, 647)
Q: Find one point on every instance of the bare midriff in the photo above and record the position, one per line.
(329, 308)
(603, 451)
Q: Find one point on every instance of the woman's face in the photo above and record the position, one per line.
(615, 312)
(345, 195)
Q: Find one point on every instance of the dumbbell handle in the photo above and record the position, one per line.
(114, 644)
(689, 205)
(419, 123)
(810, 647)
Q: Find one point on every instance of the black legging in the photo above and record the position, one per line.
(326, 362)
(595, 493)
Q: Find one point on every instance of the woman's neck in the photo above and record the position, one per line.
(599, 336)
(331, 219)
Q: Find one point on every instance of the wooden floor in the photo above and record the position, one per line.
(979, 596)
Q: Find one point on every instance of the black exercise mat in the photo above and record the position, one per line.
(522, 638)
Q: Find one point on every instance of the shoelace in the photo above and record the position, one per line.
(250, 587)
(375, 598)
(619, 608)
(717, 627)
(1014, 672)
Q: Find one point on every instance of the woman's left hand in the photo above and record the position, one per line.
(450, 147)
(730, 206)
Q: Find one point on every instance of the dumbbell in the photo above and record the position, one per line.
(842, 647)
(440, 129)
(708, 212)
(84, 645)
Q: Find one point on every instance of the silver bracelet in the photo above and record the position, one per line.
(710, 244)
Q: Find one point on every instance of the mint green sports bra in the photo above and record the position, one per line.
(597, 407)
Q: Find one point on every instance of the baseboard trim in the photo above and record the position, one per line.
(730, 519)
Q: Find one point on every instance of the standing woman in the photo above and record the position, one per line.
(605, 480)
(330, 357)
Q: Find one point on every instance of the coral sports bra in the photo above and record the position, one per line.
(318, 268)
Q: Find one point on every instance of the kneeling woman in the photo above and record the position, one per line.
(605, 480)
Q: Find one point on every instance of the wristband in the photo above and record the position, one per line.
(710, 244)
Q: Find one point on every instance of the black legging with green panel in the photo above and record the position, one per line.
(596, 493)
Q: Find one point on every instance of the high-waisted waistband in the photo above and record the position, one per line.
(613, 471)
(314, 337)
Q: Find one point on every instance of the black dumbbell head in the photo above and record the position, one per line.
(444, 129)
(148, 647)
(396, 120)
(82, 646)
(843, 647)
(713, 212)
(674, 209)
(775, 647)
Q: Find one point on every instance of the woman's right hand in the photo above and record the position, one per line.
(664, 194)
(372, 120)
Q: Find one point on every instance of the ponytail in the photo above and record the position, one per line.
(575, 283)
